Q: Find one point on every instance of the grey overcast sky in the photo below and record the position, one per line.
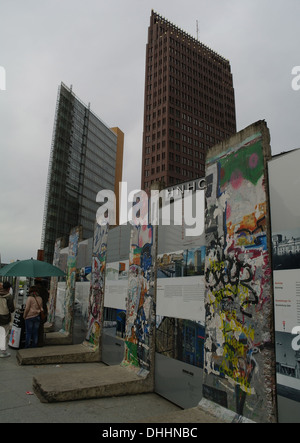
(98, 46)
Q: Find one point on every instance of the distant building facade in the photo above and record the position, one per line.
(86, 157)
(189, 104)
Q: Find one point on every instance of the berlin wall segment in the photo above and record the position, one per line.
(97, 287)
(239, 346)
(69, 302)
(140, 319)
(141, 301)
(59, 244)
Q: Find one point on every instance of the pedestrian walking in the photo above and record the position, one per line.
(32, 316)
(6, 309)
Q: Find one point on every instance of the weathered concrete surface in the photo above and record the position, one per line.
(240, 363)
(223, 414)
(97, 382)
(58, 338)
(57, 355)
(17, 407)
(49, 327)
(205, 412)
(194, 415)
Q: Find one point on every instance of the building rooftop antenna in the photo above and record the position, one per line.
(197, 29)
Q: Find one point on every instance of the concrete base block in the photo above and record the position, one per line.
(49, 327)
(206, 412)
(57, 355)
(221, 413)
(58, 338)
(97, 382)
(193, 415)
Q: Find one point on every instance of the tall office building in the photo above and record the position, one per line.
(86, 157)
(189, 104)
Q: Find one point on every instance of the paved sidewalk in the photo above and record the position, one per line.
(18, 406)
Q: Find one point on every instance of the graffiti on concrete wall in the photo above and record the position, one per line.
(97, 287)
(140, 319)
(54, 281)
(68, 320)
(238, 280)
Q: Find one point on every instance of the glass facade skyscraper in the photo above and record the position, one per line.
(83, 161)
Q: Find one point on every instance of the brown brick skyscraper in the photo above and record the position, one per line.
(189, 104)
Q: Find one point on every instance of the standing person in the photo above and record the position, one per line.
(6, 309)
(34, 306)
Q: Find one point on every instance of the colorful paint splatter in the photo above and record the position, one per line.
(96, 300)
(68, 320)
(238, 280)
(54, 282)
(140, 318)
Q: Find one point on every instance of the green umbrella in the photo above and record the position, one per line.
(31, 268)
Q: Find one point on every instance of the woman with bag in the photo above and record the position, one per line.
(33, 315)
